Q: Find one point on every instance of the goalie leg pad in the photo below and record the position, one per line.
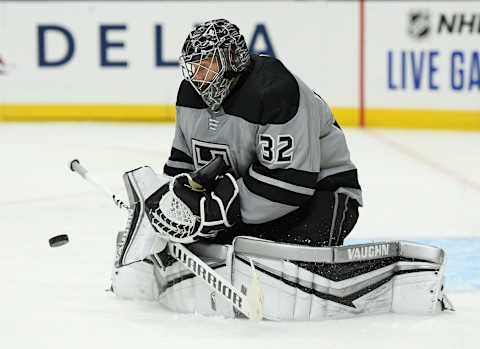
(302, 282)
(136, 281)
(309, 290)
(418, 293)
(186, 293)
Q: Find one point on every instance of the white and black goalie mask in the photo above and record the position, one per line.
(213, 54)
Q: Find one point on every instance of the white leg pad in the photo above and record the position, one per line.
(292, 290)
(293, 293)
(417, 293)
(136, 281)
(187, 294)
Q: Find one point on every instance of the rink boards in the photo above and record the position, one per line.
(401, 64)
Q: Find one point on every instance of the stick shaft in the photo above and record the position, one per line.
(216, 282)
(75, 166)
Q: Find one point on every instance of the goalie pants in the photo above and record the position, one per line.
(325, 220)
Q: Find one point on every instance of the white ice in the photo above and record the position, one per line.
(417, 185)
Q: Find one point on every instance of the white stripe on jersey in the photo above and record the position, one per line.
(280, 184)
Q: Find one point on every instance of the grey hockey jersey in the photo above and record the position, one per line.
(279, 138)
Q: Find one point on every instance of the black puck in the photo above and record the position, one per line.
(58, 240)
(72, 163)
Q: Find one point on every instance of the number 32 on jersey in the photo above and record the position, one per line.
(276, 150)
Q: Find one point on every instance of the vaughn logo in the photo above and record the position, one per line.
(367, 252)
(422, 24)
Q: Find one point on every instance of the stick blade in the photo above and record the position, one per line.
(255, 296)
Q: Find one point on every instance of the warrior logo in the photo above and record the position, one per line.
(419, 24)
(207, 274)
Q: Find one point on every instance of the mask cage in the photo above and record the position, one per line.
(199, 70)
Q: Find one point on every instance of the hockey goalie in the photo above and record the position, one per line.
(260, 195)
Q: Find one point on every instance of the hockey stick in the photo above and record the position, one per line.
(82, 171)
(250, 306)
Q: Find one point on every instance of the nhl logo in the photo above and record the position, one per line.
(419, 24)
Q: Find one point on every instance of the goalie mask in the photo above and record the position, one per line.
(213, 54)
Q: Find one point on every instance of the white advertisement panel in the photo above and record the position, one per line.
(126, 52)
(3, 63)
(423, 55)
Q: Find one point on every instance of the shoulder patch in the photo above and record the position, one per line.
(188, 97)
(281, 95)
(268, 94)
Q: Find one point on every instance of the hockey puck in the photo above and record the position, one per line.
(58, 240)
(72, 163)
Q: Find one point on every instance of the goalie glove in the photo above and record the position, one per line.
(186, 212)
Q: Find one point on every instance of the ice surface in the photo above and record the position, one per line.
(418, 185)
